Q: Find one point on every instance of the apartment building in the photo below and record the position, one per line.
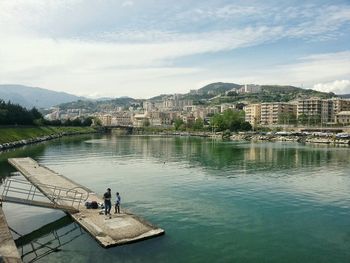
(253, 113)
(326, 109)
(226, 106)
(123, 118)
(309, 107)
(343, 117)
(148, 105)
(271, 113)
(106, 120)
(341, 105)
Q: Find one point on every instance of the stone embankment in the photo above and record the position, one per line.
(291, 138)
(23, 142)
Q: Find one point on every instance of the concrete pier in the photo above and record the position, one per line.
(8, 249)
(120, 229)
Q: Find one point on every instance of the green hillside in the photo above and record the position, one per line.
(214, 93)
(11, 134)
(272, 93)
(218, 88)
(100, 105)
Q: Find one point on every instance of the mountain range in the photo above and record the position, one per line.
(34, 97)
(214, 93)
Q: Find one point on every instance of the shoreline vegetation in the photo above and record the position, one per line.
(315, 138)
(11, 137)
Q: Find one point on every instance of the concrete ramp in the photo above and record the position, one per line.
(8, 249)
(120, 229)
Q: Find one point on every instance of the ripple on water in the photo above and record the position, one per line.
(228, 202)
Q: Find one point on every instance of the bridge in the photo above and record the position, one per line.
(129, 129)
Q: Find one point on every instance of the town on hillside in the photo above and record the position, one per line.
(165, 111)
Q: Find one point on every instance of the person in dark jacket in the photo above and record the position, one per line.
(107, 198)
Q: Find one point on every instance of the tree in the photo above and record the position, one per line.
(232, 120)
(14, 114)
(246, 126)
(303, 119)
(198, 124)
(35, 113)
(87, 121)
(146, 123)
(287, 118)
(178, 123)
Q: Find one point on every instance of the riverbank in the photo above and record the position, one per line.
(311, 138)
(249, 136)
(11, 137)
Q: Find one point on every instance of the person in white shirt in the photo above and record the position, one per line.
(117, 203)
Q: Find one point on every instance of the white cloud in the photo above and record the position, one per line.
(306, 72)
(337, 86)
(128, 3)
(42, 44)
(25, 59)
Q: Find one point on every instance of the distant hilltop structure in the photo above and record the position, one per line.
(249, 88)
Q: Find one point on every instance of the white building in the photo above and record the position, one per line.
(249, 88)
(343, 117)
(226, 106)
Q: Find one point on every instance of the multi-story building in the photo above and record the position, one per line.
(148, 105)
(253, 113)
(324, 109)
(139, 120)
(341, 105)
(200, 112)
(309, 107)
(213, 110)
(123, 118)
(343, 117)
(271, 113)
(226, 106)
(106, 120)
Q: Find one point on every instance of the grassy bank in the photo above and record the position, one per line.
(11, 134)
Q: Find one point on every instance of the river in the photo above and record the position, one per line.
(217, 201)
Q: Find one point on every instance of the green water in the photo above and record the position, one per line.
(217, 201)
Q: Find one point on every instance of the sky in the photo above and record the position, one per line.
(143, 48)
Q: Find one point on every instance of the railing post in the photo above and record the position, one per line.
(59, 195)
(75, 194)
(34, 193)
(30, 190)
(8, 186)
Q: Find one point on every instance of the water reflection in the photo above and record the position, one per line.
(234, 201)
(50, 238)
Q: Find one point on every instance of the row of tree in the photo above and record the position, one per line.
(14, 114)
(229, 120)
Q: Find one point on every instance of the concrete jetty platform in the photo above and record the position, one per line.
(118, 230)
(8, 249)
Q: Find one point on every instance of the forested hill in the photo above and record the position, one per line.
(219, 92)
(271, 93)
(218, 87)
(214, 93)
(101, 105)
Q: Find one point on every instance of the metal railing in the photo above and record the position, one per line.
(53, 241)
(21, 188)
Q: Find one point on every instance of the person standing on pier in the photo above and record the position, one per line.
(117, 203)
(108, 205)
